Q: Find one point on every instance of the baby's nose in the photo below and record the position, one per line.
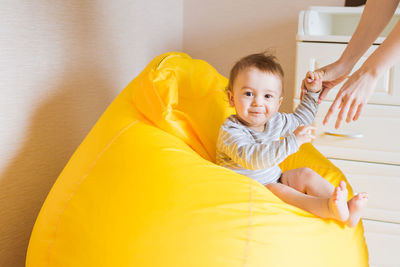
(257, 101)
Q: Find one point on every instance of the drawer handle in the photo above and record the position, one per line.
(356, 135)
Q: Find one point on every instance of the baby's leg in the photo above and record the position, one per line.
(320, 206)
(308, 182)
(311, 183)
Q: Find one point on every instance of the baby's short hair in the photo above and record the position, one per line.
(264, 61)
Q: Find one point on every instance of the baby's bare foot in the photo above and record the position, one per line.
(338, 203)
(356, 206)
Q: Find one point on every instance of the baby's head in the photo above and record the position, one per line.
(255, 89)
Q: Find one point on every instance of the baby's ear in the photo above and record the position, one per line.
(230, 98)
(280, 100)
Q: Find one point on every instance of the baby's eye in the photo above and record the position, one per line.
(269, 96)
(248, 94)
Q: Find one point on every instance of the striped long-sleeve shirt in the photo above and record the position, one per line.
(257, 154)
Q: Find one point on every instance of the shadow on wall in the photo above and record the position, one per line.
(79, 96)
(223, 52)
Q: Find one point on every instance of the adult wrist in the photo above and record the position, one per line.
(373, 70)
(346, 64)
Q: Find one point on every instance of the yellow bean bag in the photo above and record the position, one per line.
(142, 189)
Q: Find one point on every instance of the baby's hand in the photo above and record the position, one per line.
(303, 134)
(313, 81)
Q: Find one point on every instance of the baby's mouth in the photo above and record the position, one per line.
(256, 112)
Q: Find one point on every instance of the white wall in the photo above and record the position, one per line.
(61, 64)
(223, 31)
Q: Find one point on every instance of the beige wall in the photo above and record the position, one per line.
(223, 31)
(62, 63)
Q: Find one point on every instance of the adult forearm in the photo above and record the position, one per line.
(376, 15)
(387, 54)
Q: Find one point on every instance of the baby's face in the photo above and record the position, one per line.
(256, 97)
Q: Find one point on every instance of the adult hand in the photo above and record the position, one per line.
(352, 97)
(332, 75)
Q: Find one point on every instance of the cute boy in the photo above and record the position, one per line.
(255, 140)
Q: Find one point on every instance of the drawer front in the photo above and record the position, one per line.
(379, 127)
(383, 241)
(311, 56)
(381, 182)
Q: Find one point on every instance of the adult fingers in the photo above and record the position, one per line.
(352, 110)
(333, 108)
(319, 75)
(323, 94)
(359, 110)
(343, 111)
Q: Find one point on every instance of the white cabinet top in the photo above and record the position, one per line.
(334, 24)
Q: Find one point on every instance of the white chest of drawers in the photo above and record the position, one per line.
(371, 162)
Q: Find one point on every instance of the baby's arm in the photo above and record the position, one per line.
(235, 144)
(306, 110)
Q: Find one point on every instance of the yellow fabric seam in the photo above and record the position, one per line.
(77, 186)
